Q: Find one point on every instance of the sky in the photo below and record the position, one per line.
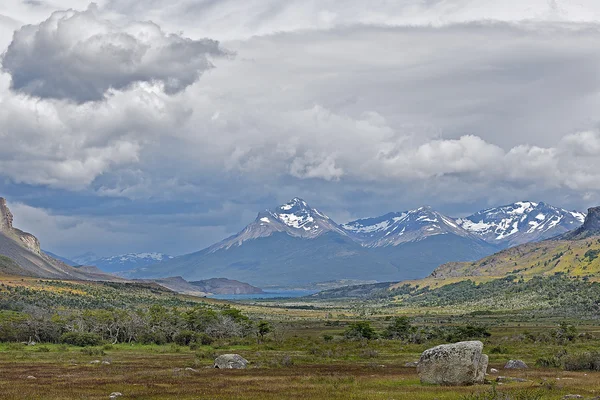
(167, 125)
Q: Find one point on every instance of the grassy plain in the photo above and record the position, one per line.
(305, 357)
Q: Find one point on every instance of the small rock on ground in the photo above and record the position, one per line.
(506, 379)
(516, 364)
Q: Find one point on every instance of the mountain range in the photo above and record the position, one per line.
(122, 262)
(296, 244)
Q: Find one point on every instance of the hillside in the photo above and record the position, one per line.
(575, 254)
(24, 250)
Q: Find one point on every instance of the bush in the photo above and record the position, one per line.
(42, 349)
(81, 339)
(549, 362)
(468, 332)
(184, 338)
(91, 351)
(152, 338)
(400, 328)
(588, 361)
(360, 330)
(204, 339)
(498, 350)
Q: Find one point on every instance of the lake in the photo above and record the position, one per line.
(267, 295)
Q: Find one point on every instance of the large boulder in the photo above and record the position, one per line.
(231, 361)
(457, 364)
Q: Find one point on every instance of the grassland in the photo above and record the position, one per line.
(307, 355)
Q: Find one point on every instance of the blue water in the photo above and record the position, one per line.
(266, 295)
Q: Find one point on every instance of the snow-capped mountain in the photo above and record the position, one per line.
(396, 228)
(123, 262)
(295, 218)
(297, 244)
(521, 222)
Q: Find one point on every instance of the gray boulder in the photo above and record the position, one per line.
(231, 361)
(457, 364)
(516, 364)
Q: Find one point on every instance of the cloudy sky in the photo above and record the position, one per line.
(166, 125)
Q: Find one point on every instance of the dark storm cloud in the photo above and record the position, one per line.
(80, 56)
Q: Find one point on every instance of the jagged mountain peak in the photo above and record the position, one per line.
(590, 227)
(6, 217)
(521, 222)
(396, 228)
(295, 218)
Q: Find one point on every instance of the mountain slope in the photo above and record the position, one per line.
(279, 259)
(24, 250)
(576, 253)
(521, 222)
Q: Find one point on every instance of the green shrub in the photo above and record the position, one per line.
(42, 349)
(81, 339)
(498, 350)
(184, 338)
(588, 361)
(360, 330)
(92, 351)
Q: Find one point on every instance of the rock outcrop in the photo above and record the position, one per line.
(27, 240)
(590, 227)
(516, 364)
(230, 361)
(457, 364)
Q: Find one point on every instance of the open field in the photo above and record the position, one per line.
(307, 354)
(300, 366)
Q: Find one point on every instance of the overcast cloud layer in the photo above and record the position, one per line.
(120, 134)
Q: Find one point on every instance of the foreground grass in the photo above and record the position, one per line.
(159, 372)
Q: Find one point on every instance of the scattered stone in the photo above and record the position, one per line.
(455, 364)
(106, 362)
(572, 396)
(31, 377)
(494, 371)
(114, 395)
(516, 364)
(191, 369)
(412, 364)
(509, 379)
(95, 362)
(230, 361)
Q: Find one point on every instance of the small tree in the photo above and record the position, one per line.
(263, 329)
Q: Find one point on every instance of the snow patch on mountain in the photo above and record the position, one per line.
(296, 218)
(409, 226)
(521, 222)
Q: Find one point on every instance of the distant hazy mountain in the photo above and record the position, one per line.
(63, 259)
(521, 222)
(121, 262)
(296, 244)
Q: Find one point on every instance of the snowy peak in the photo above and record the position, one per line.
(295, 218)
(409, 226)
(297, 214)
(521, 222)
